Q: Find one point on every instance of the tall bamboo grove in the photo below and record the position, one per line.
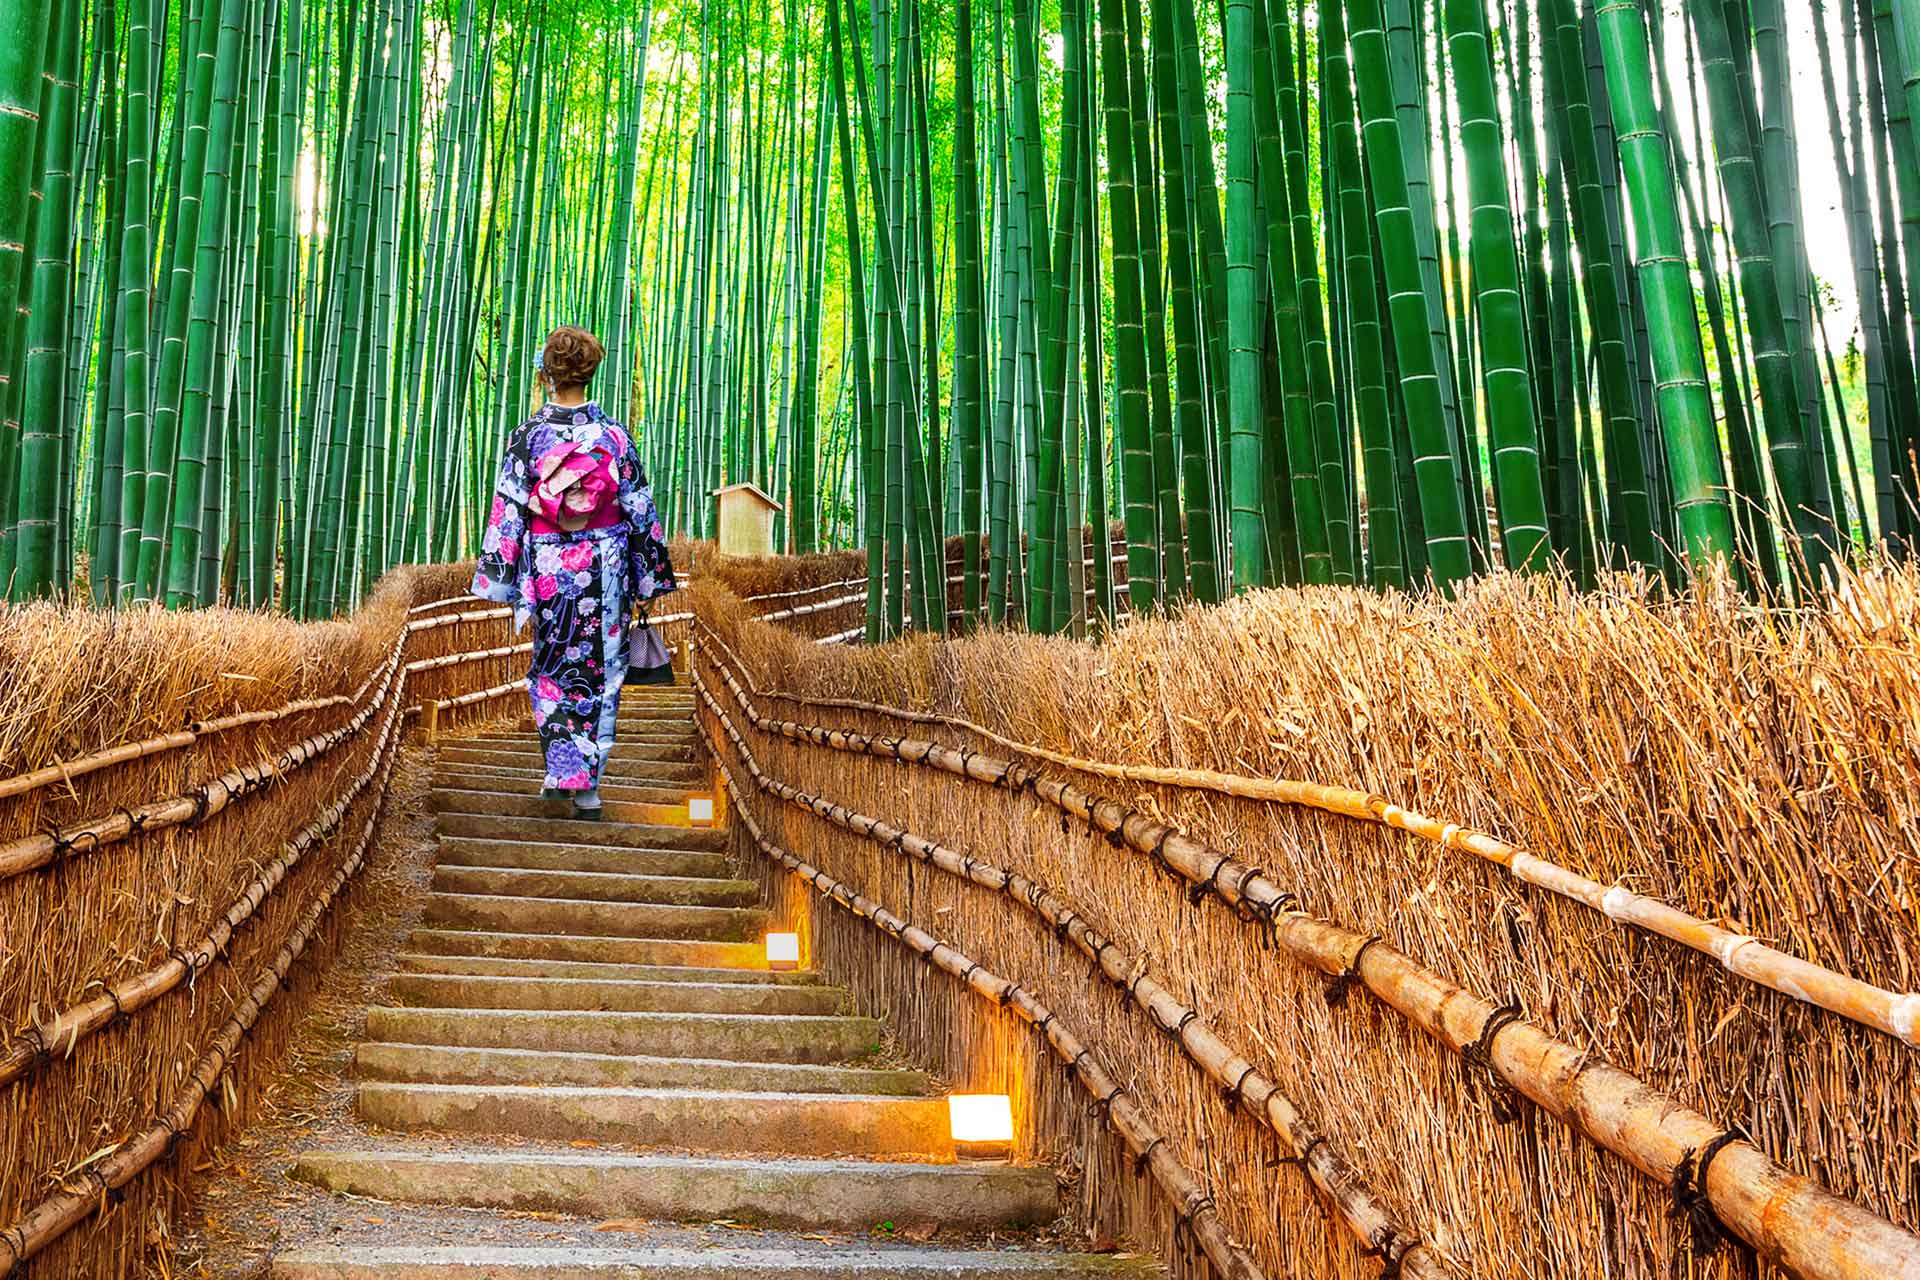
(1384, 292)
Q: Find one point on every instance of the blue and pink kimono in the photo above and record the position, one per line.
(574, 543)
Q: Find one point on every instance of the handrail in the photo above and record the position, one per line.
(61, 1032)
(1895, 1013)
(1195, 1209)
(1236, 1076)
(1786, 1216)
(86, 1191)
(126, 752)
(194, 806)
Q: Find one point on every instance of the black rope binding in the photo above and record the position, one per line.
(1707, 1233)
(1183, 1224)
(1158, 856)
(1231, 1092)
(1478, 1057)
(1302, 1157)
(1383, 1243)
(1146, 1153)
(15, 1238)
(1342, 983)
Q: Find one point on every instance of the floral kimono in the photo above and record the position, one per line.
(574, 543)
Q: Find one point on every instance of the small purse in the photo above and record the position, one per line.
(648, 661)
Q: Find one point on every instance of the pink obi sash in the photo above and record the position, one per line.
(605, 519)
(575, 488)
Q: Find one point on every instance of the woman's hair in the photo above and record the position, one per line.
(571, 356)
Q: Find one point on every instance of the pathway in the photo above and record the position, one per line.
(586, 1026)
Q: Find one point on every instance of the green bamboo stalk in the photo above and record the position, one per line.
(1686, 409)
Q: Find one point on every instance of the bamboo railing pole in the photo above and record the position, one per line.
(1236, 1076)
(1785, 1216)
(82, 1194)
(460, 659)
(1895, 1013)
(61, 1033)
(454, 619)
(206, 800)
(67, 770)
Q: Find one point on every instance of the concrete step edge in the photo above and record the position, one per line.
(593, 1263)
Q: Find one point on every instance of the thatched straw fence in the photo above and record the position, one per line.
(1319, 935)
(1530, 934)
(184, 801)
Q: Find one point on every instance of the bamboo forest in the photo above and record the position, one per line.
(1372, 292)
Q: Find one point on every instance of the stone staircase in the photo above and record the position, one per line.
(585, 1025)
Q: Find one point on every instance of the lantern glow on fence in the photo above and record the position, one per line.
(982, 1125)
(783, 951)
(700, 809)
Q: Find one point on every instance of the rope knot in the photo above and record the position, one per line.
(1690, 1201)
(1342, 982)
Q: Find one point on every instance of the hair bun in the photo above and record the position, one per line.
(571, 357)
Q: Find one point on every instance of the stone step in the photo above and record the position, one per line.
(596, 886)
(609, 832)
(515, 750)
(622, 804)
(739, 1037)
(507, 967)
(479, 1262)
(461, 991)
(654, 727)
(630, 772)
(846, 1195)
(465, 851)
(648, 791)
(806, 1124)
(456, 1064)
(598, 919)
(574, 949)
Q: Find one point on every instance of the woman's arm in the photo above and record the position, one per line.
(500, 576)
(650, 568)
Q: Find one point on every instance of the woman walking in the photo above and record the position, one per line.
(574, 543)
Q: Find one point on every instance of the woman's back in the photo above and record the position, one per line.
(575, 545)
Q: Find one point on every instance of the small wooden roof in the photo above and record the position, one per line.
(752, 488)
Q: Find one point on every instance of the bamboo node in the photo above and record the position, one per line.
(1690, 1199)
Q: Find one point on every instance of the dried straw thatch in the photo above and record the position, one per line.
(1756, 771)
(182, 799)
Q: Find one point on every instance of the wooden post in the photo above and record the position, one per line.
(720, 822)
(430, 717)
